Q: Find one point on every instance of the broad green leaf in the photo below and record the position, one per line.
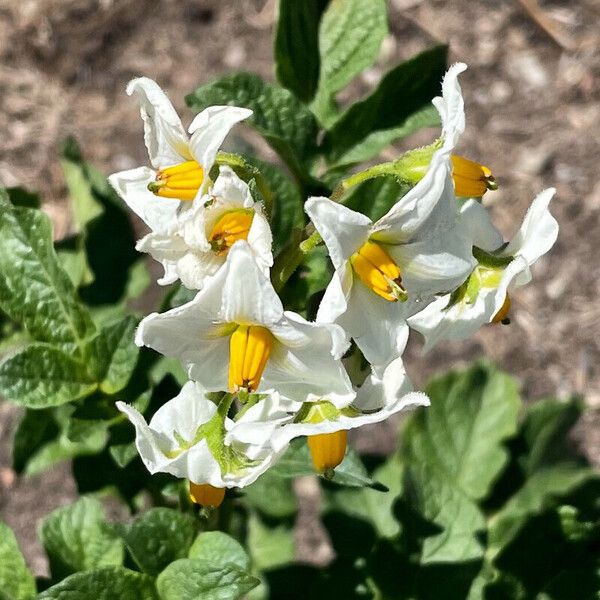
(158, 537)
(296, 462)
(375, 197)
(461, 434)
(297, 46)
(41, 440)
(370, 504)
(288, 125)
(106, 231)
(562, 587)
(108, 583)
(16, 581)
(34, 289)
(269, 546)
(219, 548)
(350, 35)
(545, 488)
(21, 197)
(544, 431)
(75, 265)
(113, 355)
(198, 579)
(85, 207)
(272, 495)
(41, 376)
(78, 538)
(123, 454)
(445, 505)
(371, 144)
(397, 102)
(287, 210)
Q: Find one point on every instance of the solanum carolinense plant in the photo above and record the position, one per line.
(290, 292)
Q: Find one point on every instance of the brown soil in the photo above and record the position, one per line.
(533, 117)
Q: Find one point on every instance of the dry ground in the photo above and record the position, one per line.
(533, 116)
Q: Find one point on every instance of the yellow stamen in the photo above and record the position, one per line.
(206, 495)
(327, 450)
(249, 350)
(230, 228)
(471, 180)
(378, 271)
(502, 315)
(181, 181)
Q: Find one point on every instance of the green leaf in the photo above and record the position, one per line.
(370, 504)
(371, 144)
(41, 440)
(34, 289)
(197, 579)
(102, 217)
(296, 462)
(85, 207)
(113, 355)
(288, 125)
(77, 538)
(219, 548)
(461, 434)
(297, 46)
(272, 495)
(350, 35)
(287, 211)
(414, 82)
(16, 581)
(545, 488)
(269, 546)
(457, 518)
(375, 197)
(108, 583)
(41, 376)
(21, 197)
(158, 537)
(544, 432)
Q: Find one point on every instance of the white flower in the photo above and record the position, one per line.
(191, 437)
(197, 245)
(180, 163)
(235, 335)
(388, 270)
(385, 392)
(484, 297)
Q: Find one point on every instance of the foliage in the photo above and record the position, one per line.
(485, 497)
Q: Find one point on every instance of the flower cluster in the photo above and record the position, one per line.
(260, 376)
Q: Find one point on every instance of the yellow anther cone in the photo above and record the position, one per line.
(230, 228)
(471, 180)
(502, 315)
(377, 270)
(249, 350)
(181, 181)
(206, 495)
(327, 450)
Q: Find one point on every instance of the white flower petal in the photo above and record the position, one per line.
(164, 135)
(377, 326)
(166, 249)
(438, 321)
(411, 212)
(301, 366)
(231, 188)
(343, 230)
(538, 232)
(158, 213)
(451, 106)
(478, 225)
(247, 293)
(335, 300)
(210, 128)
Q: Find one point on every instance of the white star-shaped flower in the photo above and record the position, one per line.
(236, 336)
